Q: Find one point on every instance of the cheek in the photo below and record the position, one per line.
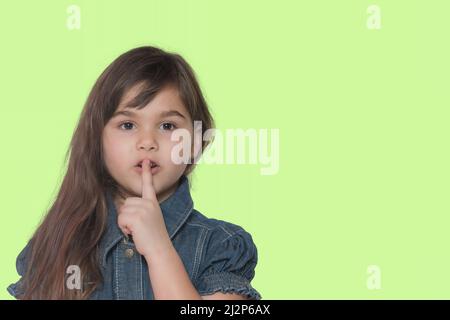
(182, 144)
(166, 149)
(113, 151)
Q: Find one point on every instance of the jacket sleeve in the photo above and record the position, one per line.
(228, 265)
(16, 289)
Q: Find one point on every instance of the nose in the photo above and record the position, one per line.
(148, 142)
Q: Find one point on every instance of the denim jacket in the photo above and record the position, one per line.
(218, 256)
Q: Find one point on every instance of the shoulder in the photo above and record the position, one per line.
(220, 230)
(22, 259)
(224, 243)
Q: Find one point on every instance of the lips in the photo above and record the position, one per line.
(155, 168)
(152, 164)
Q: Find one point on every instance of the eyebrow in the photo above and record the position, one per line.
(164, 114)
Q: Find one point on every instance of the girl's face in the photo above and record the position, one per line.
(133, 135)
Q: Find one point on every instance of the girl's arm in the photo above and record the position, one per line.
(170, 280)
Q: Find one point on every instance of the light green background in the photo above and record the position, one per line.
(363, 116)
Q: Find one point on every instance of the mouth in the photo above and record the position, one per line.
(152, 164)
(154, 167)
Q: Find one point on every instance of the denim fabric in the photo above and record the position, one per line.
(218, 256)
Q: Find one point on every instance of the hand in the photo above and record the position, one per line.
(143, 219)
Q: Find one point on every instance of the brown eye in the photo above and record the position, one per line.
(167, 126)
(127, 125)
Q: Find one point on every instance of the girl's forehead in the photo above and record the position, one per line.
(166, 101)
(167, 97)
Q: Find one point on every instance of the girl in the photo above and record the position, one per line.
(123, 225)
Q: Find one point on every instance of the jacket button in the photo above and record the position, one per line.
(129, 253)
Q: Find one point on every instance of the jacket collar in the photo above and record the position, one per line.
(175, 209)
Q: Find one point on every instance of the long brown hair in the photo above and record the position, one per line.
(71, 230)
